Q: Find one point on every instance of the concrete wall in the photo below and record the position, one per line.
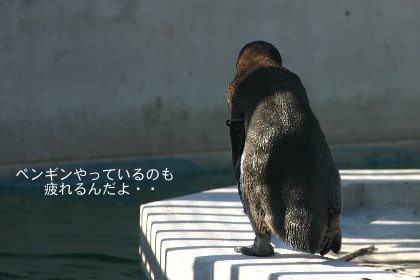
(110, 79)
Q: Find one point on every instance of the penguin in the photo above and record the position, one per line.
(287, 179)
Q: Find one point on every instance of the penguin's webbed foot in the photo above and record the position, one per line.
(331, 241)
(260, 248)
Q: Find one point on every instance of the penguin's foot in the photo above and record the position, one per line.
(331, 241)
(260, 248)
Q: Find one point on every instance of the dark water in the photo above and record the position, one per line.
(43, 237)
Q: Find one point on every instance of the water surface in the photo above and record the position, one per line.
(68, 237)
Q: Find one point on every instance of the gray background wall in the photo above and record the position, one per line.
(114, 79)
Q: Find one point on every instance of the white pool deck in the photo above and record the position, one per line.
(192, 237)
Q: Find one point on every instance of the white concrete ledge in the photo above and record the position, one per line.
(192, 237)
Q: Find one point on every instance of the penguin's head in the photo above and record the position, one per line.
(258, 53)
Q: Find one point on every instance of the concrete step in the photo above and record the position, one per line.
(192, 237)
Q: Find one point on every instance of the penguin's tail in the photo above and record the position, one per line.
(301, 230)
